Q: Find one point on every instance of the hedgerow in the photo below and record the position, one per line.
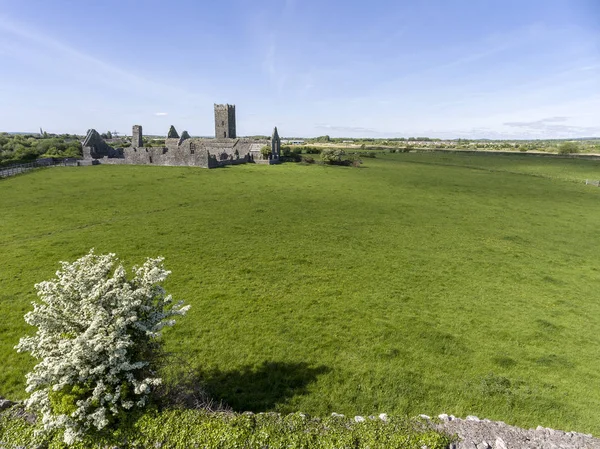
(183, 429)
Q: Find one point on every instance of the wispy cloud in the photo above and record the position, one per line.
(160, 114)
(274, 70)
(37, 48)
(350, 129)
(555, 127)
(537, 124)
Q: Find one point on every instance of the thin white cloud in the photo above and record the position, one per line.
(160, 114)
(348, 129)
(36, 47)
(275, 72)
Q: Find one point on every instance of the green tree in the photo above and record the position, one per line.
(568, 148)
(332, 155)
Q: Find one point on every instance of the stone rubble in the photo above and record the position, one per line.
(5, 403)
(475, 433)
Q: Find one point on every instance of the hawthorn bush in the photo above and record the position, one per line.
(97, 338)
(333, 156)
(568, 148)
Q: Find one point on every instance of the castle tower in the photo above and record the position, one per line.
(137, 140)
(225, 121)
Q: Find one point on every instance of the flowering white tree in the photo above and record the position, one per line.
(97, 333)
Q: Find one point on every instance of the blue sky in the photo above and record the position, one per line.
(438, 68)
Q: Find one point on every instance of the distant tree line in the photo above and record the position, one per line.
(16, 148)
(401, 144)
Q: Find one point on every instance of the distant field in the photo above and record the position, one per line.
(419, 283)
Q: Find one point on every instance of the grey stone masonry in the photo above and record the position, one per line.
(225, 149)
(172, 134)
(225, 121)
(137, 139)
(275, 144)
(94, 147)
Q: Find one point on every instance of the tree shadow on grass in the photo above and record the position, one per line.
(261, 388)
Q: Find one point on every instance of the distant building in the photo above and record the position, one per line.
(224, 149)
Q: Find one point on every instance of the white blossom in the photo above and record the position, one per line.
(93, 324)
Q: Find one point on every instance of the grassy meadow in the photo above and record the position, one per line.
(418, 283)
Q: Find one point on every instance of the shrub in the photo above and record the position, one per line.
(568, 148)
(333, 155)
(183, 429)
(266, 152)
(291, 154)
(308, 159)
(97, 339)
(312, 150)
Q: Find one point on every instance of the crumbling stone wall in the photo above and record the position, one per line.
(94, 147)
(206, 153)
(225, 149)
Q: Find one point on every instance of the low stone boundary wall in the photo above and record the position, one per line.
(475, 433)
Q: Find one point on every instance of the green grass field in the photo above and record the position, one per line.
(419, 283)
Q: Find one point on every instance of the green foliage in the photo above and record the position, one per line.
(23, 148)
(374, 274)
(182, 429)
(185, 135)
(150, 142)
(368, 154)
(266, 152)
(291, 154)
(64, 401)
(333, 155)
(336, 156)
(311, 150)
(568, 148)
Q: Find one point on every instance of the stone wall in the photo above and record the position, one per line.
(94, 147)
(207, 153)
(224, 149)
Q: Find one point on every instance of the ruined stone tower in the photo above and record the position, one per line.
(137, 139)
(225, 121)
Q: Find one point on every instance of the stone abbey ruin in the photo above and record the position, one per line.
(224, 149)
